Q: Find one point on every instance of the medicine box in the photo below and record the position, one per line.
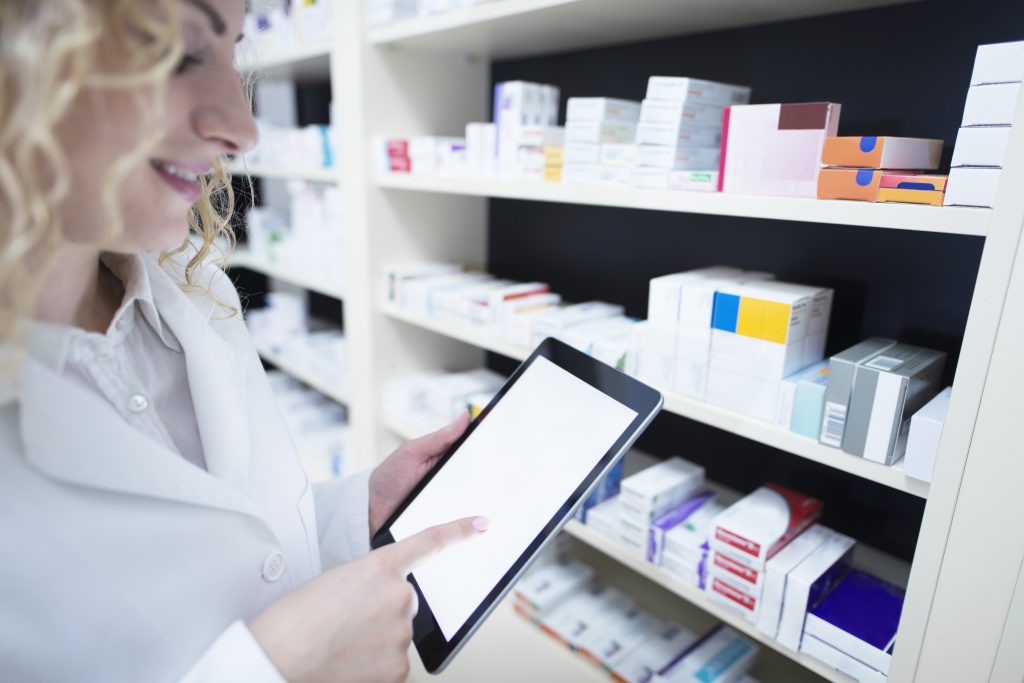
(601, 109)
(512, 316)
(991, 105)
(849, 183)
(679, 133)
(618, 636)
(841, 372)
(676, 114)
(859, 617)
(584, 336)
(599, 131)
(762, 523)
(583, 153)
(678, 159)
(809, 583)
(972, 187)
(580, 174)
(913, 181)
(396, 276)
(486, 312)
(618, 350)
(549, 323)
(665, 302)
(925, 433)
(614, 175)
(693, 181)
(910, 196)
(542, 590)
(607, 487)
(654, 654)
(671, 519)
(618, 154)
(569, 621)
(520, 323)
(649, 178)
(721, 656)
(735, 595)
(840, 661)
(776, 571)
(871, 151)
(801, 400)
(775, 149)
(652, 492)
(683, 89)
(887, 390)
(999, 63)
(604, 517)
(591, 630)
(981, 146)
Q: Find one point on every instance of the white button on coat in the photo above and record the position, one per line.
(138, 403)
(273, 567)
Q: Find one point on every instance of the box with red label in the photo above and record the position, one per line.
(731, 569)
(849, 183)
(872, 151)
(731, 595)
(758, 526)
(912, 188)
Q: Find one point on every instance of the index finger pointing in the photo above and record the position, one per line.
(407, 554)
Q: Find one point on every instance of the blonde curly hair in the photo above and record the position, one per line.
(48, 55)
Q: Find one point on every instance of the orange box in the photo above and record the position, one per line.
(870, 151)
(913, 181)
(849, 183)
(892, 194)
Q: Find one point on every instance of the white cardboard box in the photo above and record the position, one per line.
(840, 661)
(678, 133)
(732, 654)
(818, 573)
(547, 587)
(681, 88)
(601, 109)
(972, 187)
(581, 174)
(776, 571)
(581, 153)
(981, 146)
(654, 654)
(991, 105)
(925, 432)
(678, 159)
(657, 489)
(599, 131)
(618, 154)
(999, 63)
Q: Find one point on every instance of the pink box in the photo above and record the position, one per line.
(775, 149)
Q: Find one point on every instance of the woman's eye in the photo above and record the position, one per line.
(187, 62)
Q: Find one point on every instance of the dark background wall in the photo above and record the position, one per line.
(897, 71)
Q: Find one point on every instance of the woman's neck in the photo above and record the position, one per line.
(80, 291)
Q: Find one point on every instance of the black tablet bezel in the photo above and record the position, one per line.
(433, 648)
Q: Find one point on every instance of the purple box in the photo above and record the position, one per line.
(859, 617)
(656, 534)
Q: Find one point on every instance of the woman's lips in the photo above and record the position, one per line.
(182, 177)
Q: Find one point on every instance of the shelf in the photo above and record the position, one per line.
(302, 373)
(865, 558)
(956, 220)
(517, 28)
(301, 63)
(741, 425)
(244, 259)
(319, 175)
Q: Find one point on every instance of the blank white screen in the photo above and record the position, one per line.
(517, 468)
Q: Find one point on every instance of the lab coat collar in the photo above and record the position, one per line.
(96, 448)
(216, 369)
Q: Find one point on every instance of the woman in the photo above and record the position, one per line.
(157, 525)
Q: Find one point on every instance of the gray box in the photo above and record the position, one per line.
(841, 368)
(887, 391)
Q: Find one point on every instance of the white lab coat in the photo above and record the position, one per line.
(124, 562)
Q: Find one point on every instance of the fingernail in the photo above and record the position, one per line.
(481, 523)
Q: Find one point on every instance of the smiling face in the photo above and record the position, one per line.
(203, 113)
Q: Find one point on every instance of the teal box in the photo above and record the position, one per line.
(809, 400)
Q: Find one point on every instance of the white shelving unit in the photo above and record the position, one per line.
(298, 63)
(242, 258)
(301, 371)
(414, 78)
(318, 175)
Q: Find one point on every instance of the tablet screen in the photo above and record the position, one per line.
(518, 467)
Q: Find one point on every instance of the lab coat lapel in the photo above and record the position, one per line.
(217, 375)
(68, 434)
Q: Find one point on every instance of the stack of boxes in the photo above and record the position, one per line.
(599, 134)
(763, 332)
(747, 535)
(649, 494)
(680, 131)
(525, 119)
(554, 159)
(481, 143)
(684, 548)
(863, 168)
(988, 116)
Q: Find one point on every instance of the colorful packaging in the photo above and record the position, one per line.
(721, 656)
(849, 183)
(870, 151)
(654, 654)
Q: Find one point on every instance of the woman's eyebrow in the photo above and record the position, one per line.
(217, 22)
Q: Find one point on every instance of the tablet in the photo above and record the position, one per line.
(557, 425)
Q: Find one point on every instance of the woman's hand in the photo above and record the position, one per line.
(394, 478)
(354, 623)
